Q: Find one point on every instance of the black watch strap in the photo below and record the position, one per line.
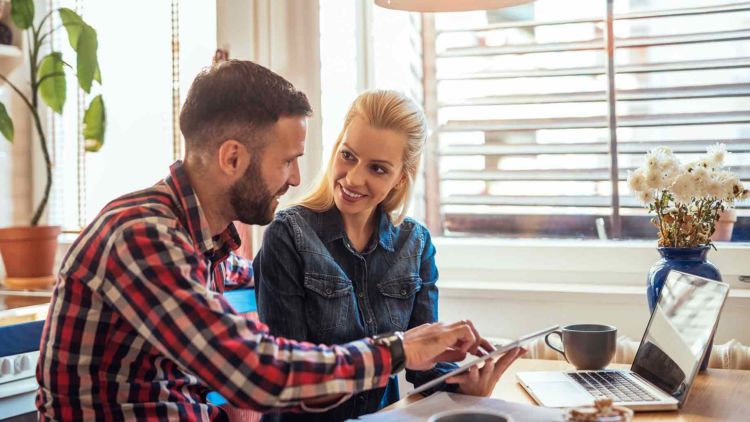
(394, 341)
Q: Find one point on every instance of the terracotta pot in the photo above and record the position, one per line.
(725, 225)
(29, 251)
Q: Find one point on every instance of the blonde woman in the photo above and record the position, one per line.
(346, 262)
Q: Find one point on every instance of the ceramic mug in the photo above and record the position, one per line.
(586, 346)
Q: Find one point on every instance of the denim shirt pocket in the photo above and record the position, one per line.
(328, 304)
(399, 298)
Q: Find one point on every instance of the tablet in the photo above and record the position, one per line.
(497, 353)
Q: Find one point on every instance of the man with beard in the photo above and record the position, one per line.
(137, 327)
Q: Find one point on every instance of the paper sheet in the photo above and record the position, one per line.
(438, 402)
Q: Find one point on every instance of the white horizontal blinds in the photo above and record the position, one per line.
(691, 88)
(523, 134)
(516, 100)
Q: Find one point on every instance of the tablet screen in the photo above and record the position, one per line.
(497, 353)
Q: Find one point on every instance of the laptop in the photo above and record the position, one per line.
(673, 346)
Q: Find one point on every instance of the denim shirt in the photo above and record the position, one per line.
(312, 285)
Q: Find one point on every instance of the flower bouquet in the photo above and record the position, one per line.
(689, 198)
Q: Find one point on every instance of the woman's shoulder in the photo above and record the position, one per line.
(411, 225)
(411, 230)
(299, 220)
(294, 213)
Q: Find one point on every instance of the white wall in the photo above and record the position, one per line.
(508, 287)
(510, 314)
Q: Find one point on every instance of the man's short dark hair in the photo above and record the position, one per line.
(237, 99)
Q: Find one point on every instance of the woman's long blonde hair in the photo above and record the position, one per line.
(381, 109)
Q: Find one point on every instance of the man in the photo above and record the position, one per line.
(137, 327)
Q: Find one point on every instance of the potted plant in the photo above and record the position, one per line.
(29, 251)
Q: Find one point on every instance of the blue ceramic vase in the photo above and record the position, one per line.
(686, 260)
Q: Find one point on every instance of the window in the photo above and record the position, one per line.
(142, 89)
(521, 111)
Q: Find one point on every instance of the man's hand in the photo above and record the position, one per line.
(431, 343)
(481, 381)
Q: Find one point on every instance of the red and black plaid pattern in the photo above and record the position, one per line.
(138, 329)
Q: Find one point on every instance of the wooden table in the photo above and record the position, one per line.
(716, 395)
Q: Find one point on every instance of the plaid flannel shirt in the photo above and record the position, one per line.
(138, 329)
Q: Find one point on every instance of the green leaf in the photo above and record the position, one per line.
(86, 60)
(98, 74)
(52, 88)
(73, 25)
(6, 125)
(94, 124)
(22, 13)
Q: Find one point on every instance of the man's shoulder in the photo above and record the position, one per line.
(155, 204)
(152, 206)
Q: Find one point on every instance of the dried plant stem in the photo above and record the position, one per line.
(659, 208)
(691, 238)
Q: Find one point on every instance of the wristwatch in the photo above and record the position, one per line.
(394, 341)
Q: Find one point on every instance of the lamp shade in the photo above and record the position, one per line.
(447, 5)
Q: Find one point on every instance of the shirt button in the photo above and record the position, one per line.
(360, 295)
(369, 320)
(329, 291)
(403, 292)
(374, 381)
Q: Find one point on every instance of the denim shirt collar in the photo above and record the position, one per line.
(332, 228)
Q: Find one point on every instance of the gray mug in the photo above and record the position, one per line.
(586, 346)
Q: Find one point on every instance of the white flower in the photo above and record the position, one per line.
(652, 160)
(646, 197)
(669, 163)
(700, 178)
(730, 185)
(716, 154)
(738, 191)
(637, 180)
(714, 188)
(654, 179)
(659, 158)
(662, 150)
(682, 188)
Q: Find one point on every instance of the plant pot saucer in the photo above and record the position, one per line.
(29, 283)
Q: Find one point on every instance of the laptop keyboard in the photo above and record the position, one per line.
(611, 384)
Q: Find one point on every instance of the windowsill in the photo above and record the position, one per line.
(556, 292)
(610, 265)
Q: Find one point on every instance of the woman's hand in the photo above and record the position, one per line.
(481, 381)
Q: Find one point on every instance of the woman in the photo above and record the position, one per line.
(346, 262)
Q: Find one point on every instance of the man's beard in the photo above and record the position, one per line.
(251, 199)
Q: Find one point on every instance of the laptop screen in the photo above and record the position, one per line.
(678, 333)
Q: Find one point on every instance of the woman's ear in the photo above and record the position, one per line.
(401, 183)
